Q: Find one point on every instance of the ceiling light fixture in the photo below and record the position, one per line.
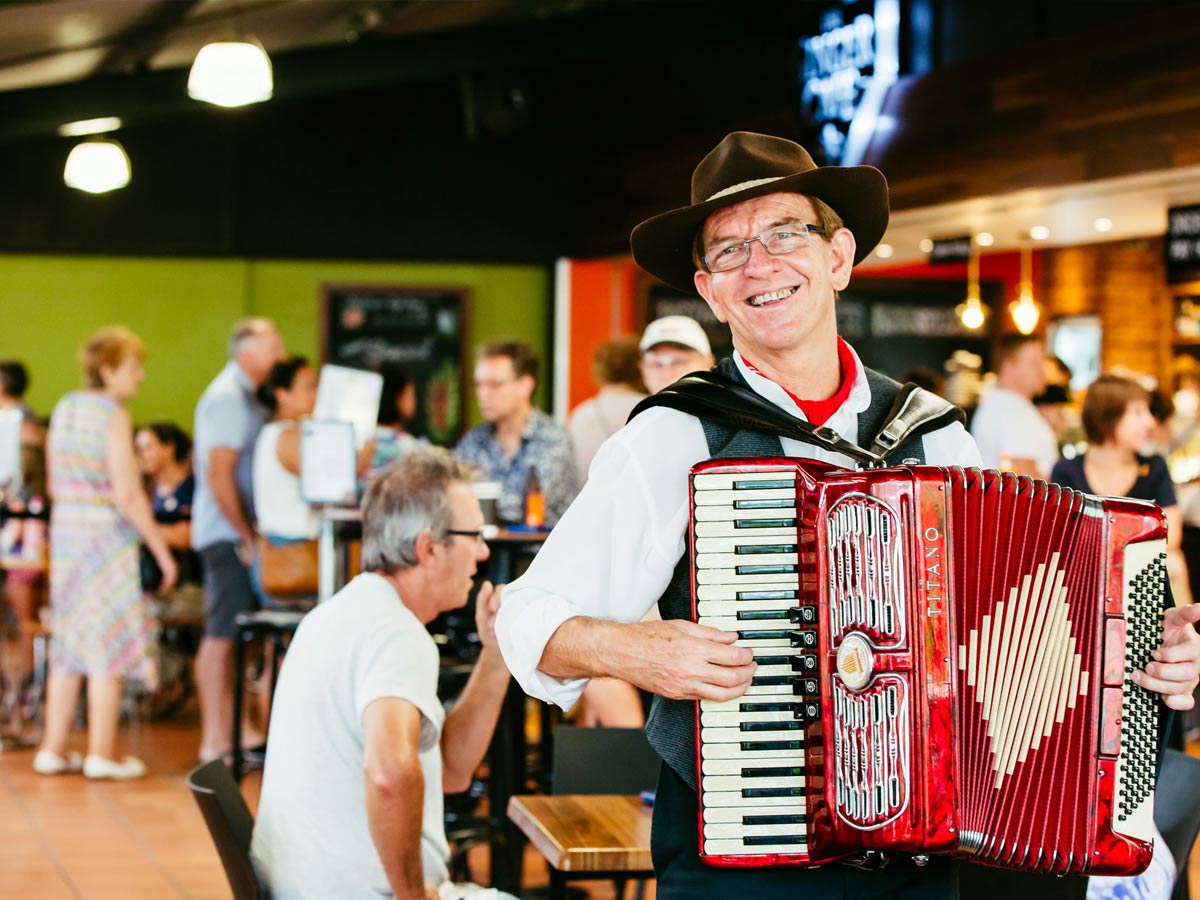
(1102, 224)
(925, 245)
(984, 239)
(97, 166)
(231, 73)
(1024, 309)
(971, 311)
(89, 126)
(884, 251)
(1039, 232)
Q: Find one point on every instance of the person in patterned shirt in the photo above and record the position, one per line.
(516, 438)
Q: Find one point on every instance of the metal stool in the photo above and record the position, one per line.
(270, 624)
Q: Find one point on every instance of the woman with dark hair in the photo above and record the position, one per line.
(290, 394)
(165, 454)
(1118, 424)
(397, 409)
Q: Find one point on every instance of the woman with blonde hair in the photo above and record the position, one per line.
(100, 627)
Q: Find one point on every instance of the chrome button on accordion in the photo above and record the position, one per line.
(943, 666)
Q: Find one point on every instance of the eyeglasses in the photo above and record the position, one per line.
(477, 533)
(777, 240)
(654, 362)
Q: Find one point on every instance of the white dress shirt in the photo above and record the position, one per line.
(1007, 424)
(612, 554)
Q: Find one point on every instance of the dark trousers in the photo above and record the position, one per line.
(682, 876)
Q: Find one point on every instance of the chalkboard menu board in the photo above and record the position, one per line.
(416, 331)
(1182, 244)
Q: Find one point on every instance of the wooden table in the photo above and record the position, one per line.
(583, 837)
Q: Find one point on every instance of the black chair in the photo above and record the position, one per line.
(1177, 812)
(275, 626)
(230, 824)
(603, 761)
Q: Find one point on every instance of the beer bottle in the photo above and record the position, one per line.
(535, 501)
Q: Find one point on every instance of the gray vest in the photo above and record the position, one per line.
(671, 727)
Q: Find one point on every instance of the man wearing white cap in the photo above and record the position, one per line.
(672, 347)
(768, 241)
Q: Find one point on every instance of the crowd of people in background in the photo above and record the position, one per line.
(137, 510)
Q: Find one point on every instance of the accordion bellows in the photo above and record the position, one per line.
(943, 667)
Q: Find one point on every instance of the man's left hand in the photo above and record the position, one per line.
(1176, 666)
(487, 606)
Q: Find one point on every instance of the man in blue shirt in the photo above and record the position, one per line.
(516, 437)
(227, 424)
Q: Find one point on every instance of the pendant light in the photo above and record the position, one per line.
(971, 311)
(97, 166)
(1024, 309)
(231, 73)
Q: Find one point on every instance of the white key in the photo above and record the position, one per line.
(734, 560)
(725, 481)
(714, 608)
(729, 498)
(730, 576)
(736, 766)
(777, 696)
(731, 544)
(729, 529)
(735, 799)
(729, 592)
(738, 783)
(737, 848)
(734, 814)
(712, 751)
(727, 514)
(738, 831)
(733, 719)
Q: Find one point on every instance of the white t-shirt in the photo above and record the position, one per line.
(614, 551)
(311, 837)
(1006, 424)
(281, 510)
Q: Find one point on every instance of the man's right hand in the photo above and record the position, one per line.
(681, 660)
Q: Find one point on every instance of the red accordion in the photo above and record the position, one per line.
(943, 667)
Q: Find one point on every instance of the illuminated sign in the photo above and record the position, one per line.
(847, 70)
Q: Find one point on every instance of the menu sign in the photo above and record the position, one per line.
(950, 250)
(1182, 244)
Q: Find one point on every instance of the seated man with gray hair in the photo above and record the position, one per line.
(361, 749)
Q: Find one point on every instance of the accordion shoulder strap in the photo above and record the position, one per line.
(719, 396)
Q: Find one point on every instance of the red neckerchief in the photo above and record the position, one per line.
(818, 411)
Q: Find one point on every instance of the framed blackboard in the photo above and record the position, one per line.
(417, 331)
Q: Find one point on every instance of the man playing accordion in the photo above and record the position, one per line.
(768, 241)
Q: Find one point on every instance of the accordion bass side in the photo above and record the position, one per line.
(944, 661)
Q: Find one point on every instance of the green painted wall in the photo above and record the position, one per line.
(183, 309)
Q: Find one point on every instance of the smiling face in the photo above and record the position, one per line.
(776, 304)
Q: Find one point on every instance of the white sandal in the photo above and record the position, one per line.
(97, 767)
(47, 762)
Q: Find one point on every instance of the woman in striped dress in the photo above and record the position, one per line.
(100, 626)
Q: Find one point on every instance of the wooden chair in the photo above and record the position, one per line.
(230, 824)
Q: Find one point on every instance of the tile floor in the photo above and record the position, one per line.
(66, 837)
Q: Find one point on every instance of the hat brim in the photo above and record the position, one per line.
(662, 245)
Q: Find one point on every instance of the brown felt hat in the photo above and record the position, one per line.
(746, 165)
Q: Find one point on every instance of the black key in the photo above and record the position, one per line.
(772, 660)
(765, 570)
(765, 548)
(806, 686)
(752, 746)
(803, 662)
(806, 639)
(773, 820)
(772, 792)
(765, 523)
(761, 840)
(753, 615)
(765, 504)
(765, 707)
(773, 772)
(762, 635)
(803, 615)
(767, 595)
(770, 726)
(808, 711)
